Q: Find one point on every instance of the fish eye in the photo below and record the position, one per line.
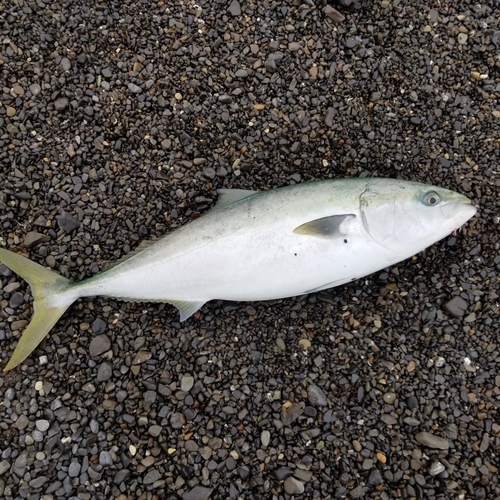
(431, 198)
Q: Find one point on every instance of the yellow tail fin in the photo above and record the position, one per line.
(49, 302)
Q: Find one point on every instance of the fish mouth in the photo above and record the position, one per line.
(459, 211)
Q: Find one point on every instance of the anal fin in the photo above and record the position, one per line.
(186, 307)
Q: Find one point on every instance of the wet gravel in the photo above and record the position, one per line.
(118, 121)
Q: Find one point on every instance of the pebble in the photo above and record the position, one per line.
(265, 438)
(35, 89)
(155, 430)
(411, 421)
(16, 300)
(42, 425)
(330, 115)
(99, 345)
(351, 43)
(271, 65)
(134, 88)
(4, 466)
(104, 372)
(293, 486)
(105, 459)
(436, 468)
(18, 89)
(74, 469)
(290, 414)
(121, 476)
(187, 382)
(152, 476)
(67, 222)
(61, 103)
(11, 287)
(389, 397)
(65, 64)
(38, 482)
(18, 325)
(333, 14)
(358, 492)
(99, 326)
(375, 477)
(209, 173)
(389, 419)
(197, 493)
(485, 443)
(177, 420)
(282, 473)
(432, 441)
(457, 307)
(141, 357)
(234, 8)
(22, 422)
(316, 396)
(33, 238)
(305, 344)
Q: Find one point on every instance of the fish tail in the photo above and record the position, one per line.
(50, 301)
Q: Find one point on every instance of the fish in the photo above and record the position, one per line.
(258, 246)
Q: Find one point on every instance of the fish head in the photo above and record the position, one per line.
(406, 217)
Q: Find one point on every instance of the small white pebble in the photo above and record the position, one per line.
(468, 365)
(440, 361)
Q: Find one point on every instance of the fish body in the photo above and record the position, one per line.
(261, 246)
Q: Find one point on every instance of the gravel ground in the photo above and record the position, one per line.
(118, 121)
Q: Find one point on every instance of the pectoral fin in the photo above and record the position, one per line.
(335, 226)
(186, 308)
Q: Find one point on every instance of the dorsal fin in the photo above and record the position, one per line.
(229, 196)
(140, 247)
(335, 226)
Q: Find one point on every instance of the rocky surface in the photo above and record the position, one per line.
(118, 121)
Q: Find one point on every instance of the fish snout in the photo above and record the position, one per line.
(459, 212)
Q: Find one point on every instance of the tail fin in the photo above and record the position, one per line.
(46, 287)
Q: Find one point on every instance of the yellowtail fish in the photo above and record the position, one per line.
(260, 246)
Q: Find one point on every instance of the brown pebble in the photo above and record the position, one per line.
(109, 404)
(33, 238)
(98, 345)
(148, 461)
(18, 89)
(333, 14)
(141, 357)
(18, 325)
